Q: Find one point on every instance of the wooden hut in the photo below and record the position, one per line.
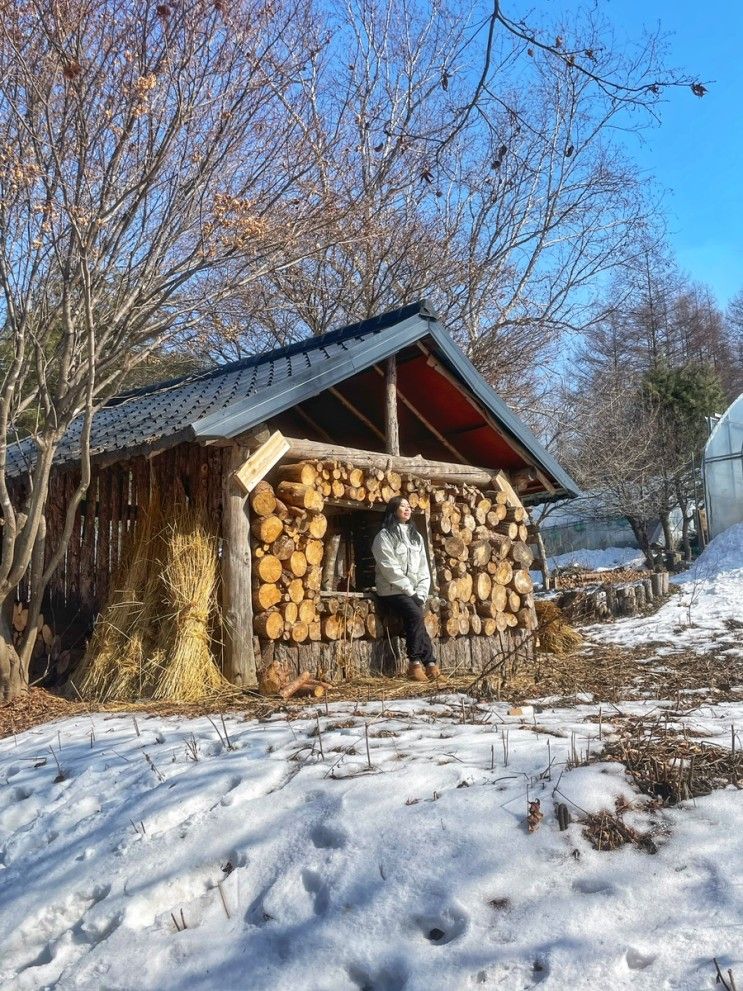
(292, 454)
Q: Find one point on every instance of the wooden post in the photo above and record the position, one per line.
(390, 407)
(237, 608)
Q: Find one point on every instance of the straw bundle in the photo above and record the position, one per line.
(556, 636)
(153, 638)
(113, 666)
(182, 666)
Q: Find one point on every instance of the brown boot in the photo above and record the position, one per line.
(416, 672)
(432, 672)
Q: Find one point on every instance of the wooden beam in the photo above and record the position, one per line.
(301, 450)
(312, 423)
(390, 405)
(357, 413)
(237, 609)
(261, 462)
(427, 424)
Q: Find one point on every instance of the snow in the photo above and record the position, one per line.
(611, 557)
(297, 861)
(699, 616)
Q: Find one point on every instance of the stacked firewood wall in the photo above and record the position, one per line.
(482, 561)
(481, 582)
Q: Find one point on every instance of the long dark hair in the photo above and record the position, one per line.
(392, 524)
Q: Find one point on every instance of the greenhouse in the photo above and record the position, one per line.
(723, 470)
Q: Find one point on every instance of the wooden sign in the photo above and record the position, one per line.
(261, 462)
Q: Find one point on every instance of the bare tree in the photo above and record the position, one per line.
(147, 152)
(505, 223)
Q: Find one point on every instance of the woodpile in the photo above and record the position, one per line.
(47, 656)
(481, 582)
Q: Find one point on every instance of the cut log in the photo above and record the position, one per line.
(526, 618)
(307, 612)
(514, 600)
(475, 624)
(499, 597)
(456, 548)
(374, 626)
(510, 530)
(522, 582)
(488, 627)
(303, 472)
(269, 568)
(317, 526)
(333, 627)
(522, 554)
(302, 496)
(283, 547)
(355, 477)
(503, 572)
(299, 632)
(267, 529)
(480, 552)
(266, 595)
(313, 579)
(314, 552)
(501, 545)
(295, 590)
(291, 612)
(269, 625)
(315, 631)
(262, 499)
(298, 564)
(483, 585)
(294, 686)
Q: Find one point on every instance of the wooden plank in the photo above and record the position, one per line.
(501, 482)
(237, 610)
(103, 548)
(87, 548)
(251, 471)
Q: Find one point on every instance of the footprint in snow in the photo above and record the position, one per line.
(316, 887)
(325, 837)
(393, 977)
(593, 886)
(443, 927)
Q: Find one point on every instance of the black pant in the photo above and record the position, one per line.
(417, 640)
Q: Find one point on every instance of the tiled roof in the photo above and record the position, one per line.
(230, 399)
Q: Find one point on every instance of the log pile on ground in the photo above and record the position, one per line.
(479, 539)
(49, 658)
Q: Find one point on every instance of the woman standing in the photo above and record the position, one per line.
(403, 583)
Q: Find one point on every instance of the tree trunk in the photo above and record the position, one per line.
(665, 522)
(13, 679)
(638, 529)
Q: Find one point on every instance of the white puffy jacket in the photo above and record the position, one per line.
(401, 566)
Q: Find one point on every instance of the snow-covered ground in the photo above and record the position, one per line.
(706, 614)
(611, 557)
(159, 854)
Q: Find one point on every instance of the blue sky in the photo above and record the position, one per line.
(696, 152)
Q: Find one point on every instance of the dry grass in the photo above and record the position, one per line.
(556, 635)
(153, 638)
(123, 637)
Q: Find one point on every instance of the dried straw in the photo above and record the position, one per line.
(182, 667)
(113, 666)
(152, 639)
(556, 636)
